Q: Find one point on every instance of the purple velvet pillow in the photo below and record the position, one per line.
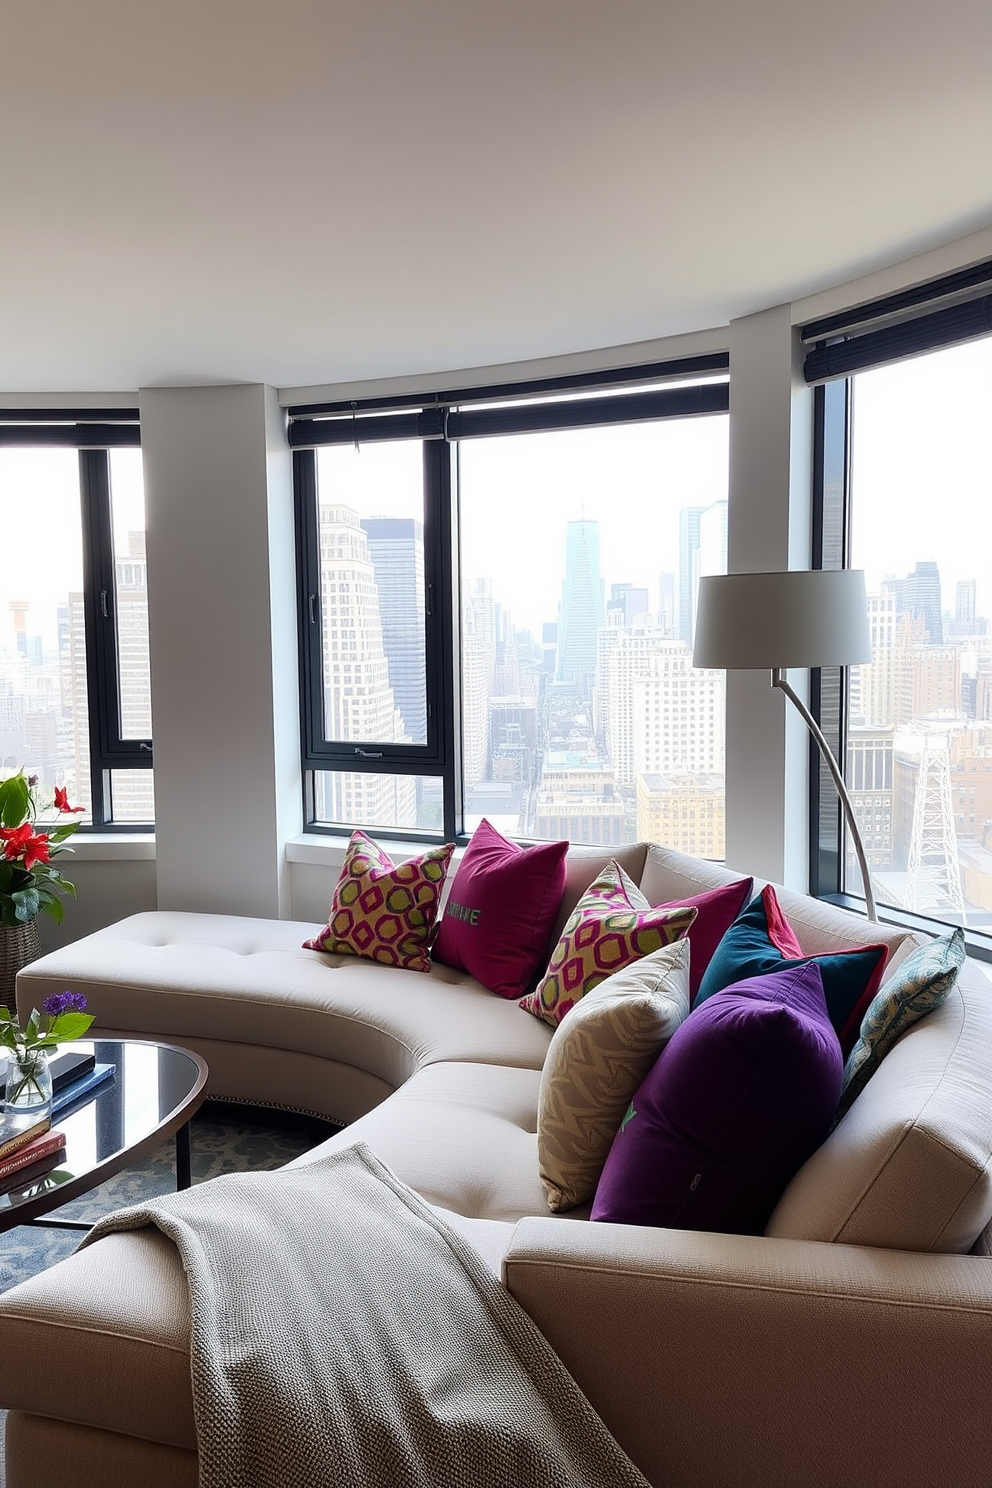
(743, 1093)
(499, 913)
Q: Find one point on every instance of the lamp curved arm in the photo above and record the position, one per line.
(779, 680)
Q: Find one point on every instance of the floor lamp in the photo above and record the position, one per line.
(803, 618)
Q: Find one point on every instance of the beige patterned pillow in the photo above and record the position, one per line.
(598, 1057)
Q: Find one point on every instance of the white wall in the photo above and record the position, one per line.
(221, 616)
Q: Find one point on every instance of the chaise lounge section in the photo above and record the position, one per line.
(851, 1343)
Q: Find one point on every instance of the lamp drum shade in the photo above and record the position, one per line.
(802, 618)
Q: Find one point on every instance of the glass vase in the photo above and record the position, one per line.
(29, 1082)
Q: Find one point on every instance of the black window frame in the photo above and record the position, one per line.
(93, 433)
(928, 318)
(688, 387)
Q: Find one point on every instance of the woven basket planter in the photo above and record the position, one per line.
(19, 944)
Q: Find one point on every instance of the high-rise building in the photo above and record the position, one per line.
(358, 700)
(686, 812)
(628, 603)
(679, 715)
(921, 597)
(396, 547)
(580, 614)
(702, 551)
(578, 800)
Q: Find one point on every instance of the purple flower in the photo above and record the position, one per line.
(64, 1002)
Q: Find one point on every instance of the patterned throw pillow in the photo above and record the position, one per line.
(761, 939)
(596, 1060)
(919, 985)
(381, 911)
(611, 925)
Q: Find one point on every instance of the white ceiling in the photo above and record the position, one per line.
(313, 191)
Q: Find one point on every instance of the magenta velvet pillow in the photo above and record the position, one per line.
(501, 908)
(716, 910)
(743, 1093)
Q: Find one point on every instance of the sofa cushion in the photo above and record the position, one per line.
(611, 925)
(236, 980)
(910, 1165)
(384, 911)
(596, 1060)
(499, 913)
(740, 1096)
(464, 1136)
(919, 986)
(761, 939)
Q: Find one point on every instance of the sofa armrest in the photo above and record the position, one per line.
(721, 1360)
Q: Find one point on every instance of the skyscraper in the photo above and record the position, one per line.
(921, 597)
(358, 699)
(581, 611)
(396, 547)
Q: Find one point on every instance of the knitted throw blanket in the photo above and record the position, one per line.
(342, 1334)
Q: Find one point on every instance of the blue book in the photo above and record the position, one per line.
(82, 1087)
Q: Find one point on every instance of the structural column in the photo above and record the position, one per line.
(222, 638)
(769, 529)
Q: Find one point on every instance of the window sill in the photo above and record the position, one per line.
(107, 847)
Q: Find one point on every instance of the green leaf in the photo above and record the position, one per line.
(53, 908)
(27, 903)
(69, 1026)
(34, 1026)
(15, 800)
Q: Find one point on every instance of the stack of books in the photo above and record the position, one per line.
(29, 1148)
(73, 1077)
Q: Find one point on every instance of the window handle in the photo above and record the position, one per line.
(103, 604)
(368, 753)
(313, 609)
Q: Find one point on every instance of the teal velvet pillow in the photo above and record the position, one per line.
(762, 940)
(921, 984)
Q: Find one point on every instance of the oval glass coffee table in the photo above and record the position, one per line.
(154, 1091)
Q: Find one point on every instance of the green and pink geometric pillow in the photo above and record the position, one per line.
(381, 911)
(611, 926)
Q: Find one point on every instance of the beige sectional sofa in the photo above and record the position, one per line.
(851, 1344)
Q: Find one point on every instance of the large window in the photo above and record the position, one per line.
(74, 674)
(497, 597)
(907, 496)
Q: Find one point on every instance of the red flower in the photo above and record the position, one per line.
(22, 842)
(62, 801)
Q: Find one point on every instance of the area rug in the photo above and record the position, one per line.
(224, 1139)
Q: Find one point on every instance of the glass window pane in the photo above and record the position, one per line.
(581, 553)
(43, 700)
(127, 498)
(919, 758)
(132, 796)
(358, 799)
(370, 510)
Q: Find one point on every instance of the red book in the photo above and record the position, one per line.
(32, 1152)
